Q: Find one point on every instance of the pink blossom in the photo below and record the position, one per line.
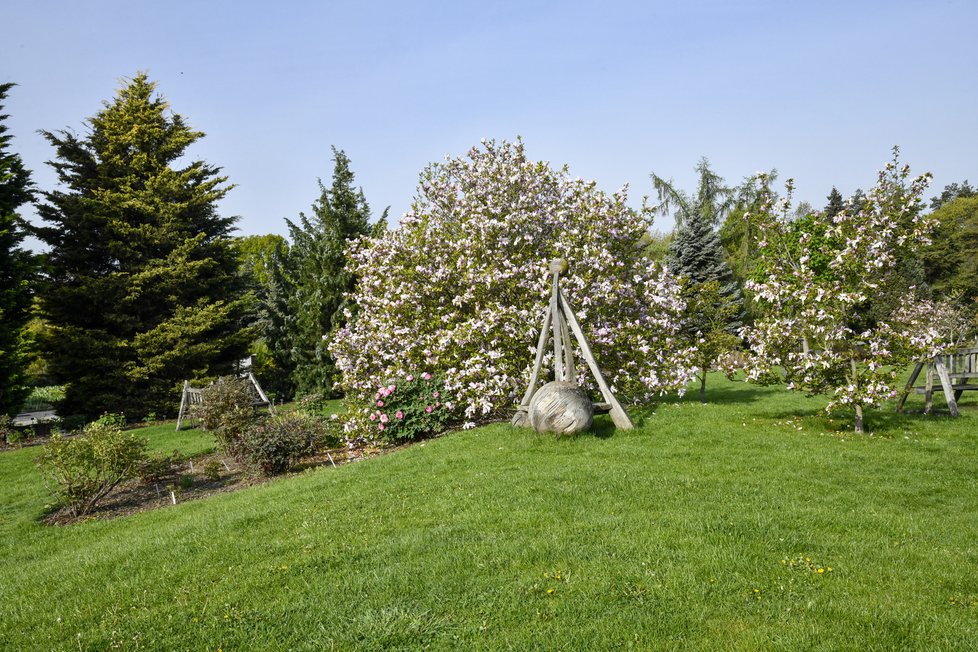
(373, 416)
(380, 404)
(426, 376)
(428, 409)
(410, 378)
(384, 418)
(381, 426)
(399, 415)
(434, 395)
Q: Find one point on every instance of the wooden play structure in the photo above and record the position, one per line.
(559, 321)
(192, 396)
(953, 371)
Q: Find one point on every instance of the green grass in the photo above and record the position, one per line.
(670, 536)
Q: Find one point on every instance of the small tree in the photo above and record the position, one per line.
(820, 275)
(16, 272)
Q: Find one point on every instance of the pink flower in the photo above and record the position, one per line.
(381, 426)
(399, 415)
(438, 404)
(373, 417)
(428, 409)
(383, 418)
(390, 389)
(380, 404)
(426, 376)
(435, 395)
(410, 377)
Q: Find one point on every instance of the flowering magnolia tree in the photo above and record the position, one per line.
(461, 286)
(821, 277)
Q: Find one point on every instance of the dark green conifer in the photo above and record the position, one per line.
(142, 288)
(315, 278)
(16, 272)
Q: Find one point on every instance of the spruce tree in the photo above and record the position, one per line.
(316, 278)
(16, 271)
(142, 289)
(714, 305)
(836, 203)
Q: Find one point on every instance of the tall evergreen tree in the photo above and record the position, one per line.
(142, 287)
(315, 278)
(16, 271)
(713, 299)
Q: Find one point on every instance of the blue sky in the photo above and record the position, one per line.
(616, 90)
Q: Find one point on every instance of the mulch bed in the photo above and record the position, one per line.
(186, 480)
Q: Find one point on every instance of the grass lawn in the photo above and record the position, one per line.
(706, 527)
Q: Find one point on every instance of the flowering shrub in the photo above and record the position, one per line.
(821, 276)
(460, 287)
(411, 408)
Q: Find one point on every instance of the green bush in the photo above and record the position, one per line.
(410, 408)
(275, 444)
(155, 468)
(226, 409)
(81, 471)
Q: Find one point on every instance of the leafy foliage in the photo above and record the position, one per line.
(226, 409)
(410, 408)
(142, 287)
(275, 444)
(950, 263)
(461, 286)
(952, 192)
(82, 470)
(712, 201)
(707, 323)
(17, 268)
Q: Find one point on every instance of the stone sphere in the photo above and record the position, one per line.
(562, 408)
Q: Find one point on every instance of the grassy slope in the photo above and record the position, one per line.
(671, 536)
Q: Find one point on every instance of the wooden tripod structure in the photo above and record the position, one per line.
(560, 321)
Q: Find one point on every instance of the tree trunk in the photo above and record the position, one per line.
(703, 388)
(859, 419)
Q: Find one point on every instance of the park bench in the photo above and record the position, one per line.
(954, 372)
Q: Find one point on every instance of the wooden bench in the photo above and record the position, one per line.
(954, 371)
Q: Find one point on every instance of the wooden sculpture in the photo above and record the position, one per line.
(560, 408)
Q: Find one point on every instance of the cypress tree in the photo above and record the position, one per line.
(142, 289)
(315, 279)
(16, 271)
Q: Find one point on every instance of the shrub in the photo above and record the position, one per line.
(81, 471)
(275, 444)
(461, 287)
(155, 468)
(226, 409)
(411, 408)
(212, 471)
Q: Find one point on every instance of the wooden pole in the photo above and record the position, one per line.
(946, 385)
(183, 403)
(618, 414)
(909, 387)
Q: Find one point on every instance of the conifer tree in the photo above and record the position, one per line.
(714, 304)
(16, 271)
(316, 278)
(142, 287)
(836, 204)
